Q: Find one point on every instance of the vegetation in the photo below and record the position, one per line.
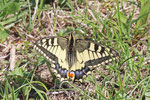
(120, 24)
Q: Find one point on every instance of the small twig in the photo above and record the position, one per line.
(92, 14)
(3, 57)
(12, 59)
(3, 45)
(54, 93)
(35, 10)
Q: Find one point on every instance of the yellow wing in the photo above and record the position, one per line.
(53, 48)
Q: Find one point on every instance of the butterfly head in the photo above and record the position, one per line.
(72, 38)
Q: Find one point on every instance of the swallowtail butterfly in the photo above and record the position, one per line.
(74, 59)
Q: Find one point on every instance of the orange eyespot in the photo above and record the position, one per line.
(70, 74)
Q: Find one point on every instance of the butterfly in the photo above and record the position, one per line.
(74, 59)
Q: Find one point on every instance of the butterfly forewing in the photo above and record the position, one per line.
(53, 48)
(94, 53)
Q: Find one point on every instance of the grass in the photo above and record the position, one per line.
(122, 25)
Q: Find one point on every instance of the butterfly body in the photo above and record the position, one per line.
(73, 59)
